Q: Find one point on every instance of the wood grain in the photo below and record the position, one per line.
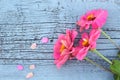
(23, 22)
(50, 72)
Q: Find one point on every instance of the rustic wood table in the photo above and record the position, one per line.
(23, 22)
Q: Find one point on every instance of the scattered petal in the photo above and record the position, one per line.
(33, 46)
(20, 67)
(32, 67)
(44, 40)
(29, 75)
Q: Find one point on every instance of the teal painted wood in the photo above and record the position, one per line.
(45, 72)
(23, 22)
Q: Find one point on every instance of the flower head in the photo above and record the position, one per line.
(63, 47)
(88, 42)
(96, 18)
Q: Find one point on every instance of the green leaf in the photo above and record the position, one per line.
(115, 67)
(116, 77)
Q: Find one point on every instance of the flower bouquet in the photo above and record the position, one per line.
(90, 29)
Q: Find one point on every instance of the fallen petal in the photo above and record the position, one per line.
(20, 67)
(32, 67)
(33, 46)
(44, 40)
(29, 75)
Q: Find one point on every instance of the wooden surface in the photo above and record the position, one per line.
(23, 22)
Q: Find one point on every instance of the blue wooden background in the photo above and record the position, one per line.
(23, 22)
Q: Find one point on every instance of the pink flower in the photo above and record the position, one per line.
(88, 42)
(96, 18)
(63, 47)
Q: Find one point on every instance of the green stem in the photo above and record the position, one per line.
(107, 36)
(91, 61)
(103, 57)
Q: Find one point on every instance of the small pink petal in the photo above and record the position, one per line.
(20, 67)
(33, 46)
(32, 67)
(30, 75)
(44, 40)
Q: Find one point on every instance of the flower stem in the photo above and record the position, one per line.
(103, 57)
(91, 61)
(107, 36)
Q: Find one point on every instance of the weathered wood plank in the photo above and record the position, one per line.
(22, 50)
(50, 72)
(50, 11)
(38, 11)
(48, 55)
(48, 62)
(26, 22)
(23, 22)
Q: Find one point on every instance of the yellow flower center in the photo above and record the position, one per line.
(90, 17)
(85, 43)
(62, 48)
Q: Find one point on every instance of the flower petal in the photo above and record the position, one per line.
(32, 66)
(82, 53)
(62, 61)
(85, 36)
(29, 75)
(20, 67)
(44, 40)
(57, 46)
(33, 46)
(65, 52)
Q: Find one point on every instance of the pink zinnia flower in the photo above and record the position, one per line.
(63, 48)
(88, 42)
(96, 18)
